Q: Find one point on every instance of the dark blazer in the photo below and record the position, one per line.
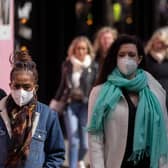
(66, 85)
(2, 93)
(159, 71)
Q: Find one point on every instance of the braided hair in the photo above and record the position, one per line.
(22, 61)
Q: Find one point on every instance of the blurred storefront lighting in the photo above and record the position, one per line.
(117, 9)
(23, 48)
(24, 12)
(23, 20)
(89, 19)
(129, 20)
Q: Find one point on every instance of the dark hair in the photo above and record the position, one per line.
(22, 61)
(110, 61)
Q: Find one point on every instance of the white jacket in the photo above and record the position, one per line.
(108, 150)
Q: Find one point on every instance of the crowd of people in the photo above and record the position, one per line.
(111, 100)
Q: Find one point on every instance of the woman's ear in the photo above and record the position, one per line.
(36, 87)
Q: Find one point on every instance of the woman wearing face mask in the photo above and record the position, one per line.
(30, 134)
(127, 121)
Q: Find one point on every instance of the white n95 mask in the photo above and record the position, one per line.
(127, 66)
(21, 96)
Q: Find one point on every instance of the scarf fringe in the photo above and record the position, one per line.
(138, 156)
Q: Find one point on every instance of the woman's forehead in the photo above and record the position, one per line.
(128, 46)
(23, 76)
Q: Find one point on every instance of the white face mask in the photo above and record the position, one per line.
(127, 65)
(21, 96)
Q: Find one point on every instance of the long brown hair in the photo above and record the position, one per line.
(110, 61)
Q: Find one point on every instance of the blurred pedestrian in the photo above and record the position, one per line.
(157, 56)
(78, 76)
(104, 38)
(30, 134)
(128, 119)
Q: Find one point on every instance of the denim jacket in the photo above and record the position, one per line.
(47, 148)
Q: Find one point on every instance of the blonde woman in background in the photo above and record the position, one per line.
(78, 76)
(157, 56)
(105, 36)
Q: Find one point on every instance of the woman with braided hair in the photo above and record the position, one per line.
(30, 134)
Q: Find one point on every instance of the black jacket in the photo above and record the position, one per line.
(2, 93)
(159, 71)
(66, 86)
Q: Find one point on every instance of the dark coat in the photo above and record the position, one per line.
(2, 93)
(66, 85)
(159, 71)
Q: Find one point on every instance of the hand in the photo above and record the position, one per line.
(57, 106)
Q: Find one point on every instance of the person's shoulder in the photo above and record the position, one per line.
(47, 117)
(152, 79)
(2, 103)
(97, 87)
(1, 90)
(95, 90)
(42, 105)
(154, 83)
(66, 63)
(44, 108)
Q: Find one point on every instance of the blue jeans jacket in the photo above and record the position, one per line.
(47, 148)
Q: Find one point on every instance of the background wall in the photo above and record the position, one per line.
(6, 49)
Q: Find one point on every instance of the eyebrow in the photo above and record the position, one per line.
(25, 84)
(128, 52)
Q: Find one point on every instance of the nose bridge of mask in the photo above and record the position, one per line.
(126, 60)
(127, 57)
(22, 91)
(131, 66)
(22, 97)
(22, 94)
(18, 92)
(127, 65)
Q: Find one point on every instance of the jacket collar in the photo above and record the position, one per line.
(5, 118)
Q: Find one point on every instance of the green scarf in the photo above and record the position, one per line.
(150, 130)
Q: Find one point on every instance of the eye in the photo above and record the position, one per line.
(27, 87)
(121, 55)
(132, 54)
(16, 86)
